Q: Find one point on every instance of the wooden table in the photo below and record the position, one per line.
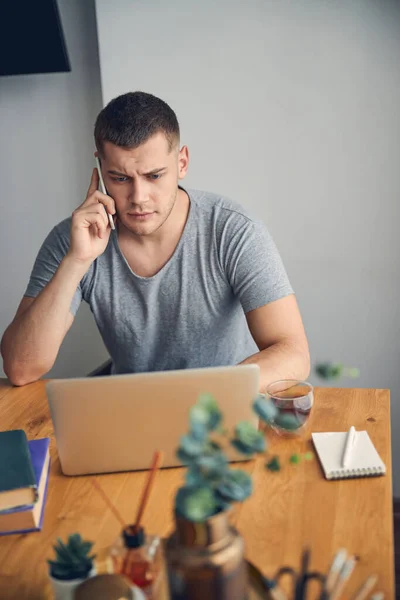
(288, 510)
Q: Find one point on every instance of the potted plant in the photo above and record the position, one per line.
(205, 555)
(73, 564)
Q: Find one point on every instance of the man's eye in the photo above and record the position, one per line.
(154, 176)
(120, 179)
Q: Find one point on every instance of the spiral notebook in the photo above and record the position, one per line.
(364, 461)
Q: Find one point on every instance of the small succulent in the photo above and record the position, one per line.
(72, 559)
(331, 370)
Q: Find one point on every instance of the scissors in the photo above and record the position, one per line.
(299, 581)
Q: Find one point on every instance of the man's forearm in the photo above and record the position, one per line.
(31, 343)
(283, 360)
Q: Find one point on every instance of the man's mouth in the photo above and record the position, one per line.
(140, 216)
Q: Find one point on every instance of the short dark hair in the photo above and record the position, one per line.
(131, 119)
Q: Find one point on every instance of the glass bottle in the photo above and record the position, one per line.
(137, 556)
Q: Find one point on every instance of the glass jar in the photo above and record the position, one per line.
(137, 556)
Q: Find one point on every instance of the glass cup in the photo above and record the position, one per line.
(295, 400)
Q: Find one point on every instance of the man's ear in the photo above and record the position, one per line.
(183, 162)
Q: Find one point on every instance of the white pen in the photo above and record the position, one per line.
(336, 567)
(344, 576)
(103, 190)
(351, 436)
(366, 588)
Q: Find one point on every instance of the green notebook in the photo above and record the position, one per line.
(18, 485)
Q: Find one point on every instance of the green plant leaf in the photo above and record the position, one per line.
(265, 409)
(295, 459)
(236, 485)
(352, 372)
(287, 421)
(274, 464)
(198, 414)
(75, 545)
(199, 418)
(329, 370)
(245, 450)
(62, 552)
(212, 465)
(213, 446)
(248, 439)
(208, 403)
(191, 446)
(194, 477)
(86, 547)
(207, 469)
(184, 458)
(68, 574)
(196, 503)
(198, 432)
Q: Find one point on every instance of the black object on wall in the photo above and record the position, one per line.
(31, 38)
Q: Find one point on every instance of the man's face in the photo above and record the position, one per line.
(144, 182)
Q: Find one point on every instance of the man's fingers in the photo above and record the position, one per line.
(96, 220)
(107, 201)
(93, 214)
(94, 183)
(98, 198)
(100, 232)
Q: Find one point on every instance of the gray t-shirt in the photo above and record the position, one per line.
(192, 312)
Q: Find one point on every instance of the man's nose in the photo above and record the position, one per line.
(138, 192)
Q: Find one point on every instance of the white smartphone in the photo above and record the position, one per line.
(103, 190)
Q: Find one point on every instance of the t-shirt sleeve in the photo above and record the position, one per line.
(254, 267)
(50, 255)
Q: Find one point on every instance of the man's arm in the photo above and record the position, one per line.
(278, 331)
(31, 343)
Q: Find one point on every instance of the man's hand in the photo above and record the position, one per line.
(31, 342)
(90, 228)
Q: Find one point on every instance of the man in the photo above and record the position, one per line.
(187, 279)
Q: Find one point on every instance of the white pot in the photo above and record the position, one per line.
(137, 593)
(65, 589)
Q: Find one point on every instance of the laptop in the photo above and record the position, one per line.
(110, 424)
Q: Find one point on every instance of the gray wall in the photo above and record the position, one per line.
(291, 108)
(46, 158)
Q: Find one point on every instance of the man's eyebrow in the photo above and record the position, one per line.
(118, 173)
(156, 171)
(152, 172)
